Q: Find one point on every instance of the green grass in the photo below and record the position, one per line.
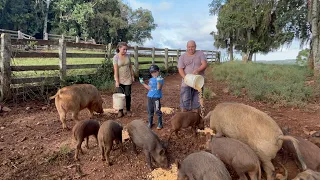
(279, 84)
(70, 61)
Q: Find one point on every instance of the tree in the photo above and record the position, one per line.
(19, 15)
(121, 23)
(246, 26)
(301, 18)
(45, 11)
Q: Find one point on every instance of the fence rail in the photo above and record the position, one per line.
(16, 34)
(10, 84)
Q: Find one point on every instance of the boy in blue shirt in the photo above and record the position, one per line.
(154, 95)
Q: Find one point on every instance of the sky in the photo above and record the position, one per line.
(181, 20)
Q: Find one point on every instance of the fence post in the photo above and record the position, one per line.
(136, 62)
(5, 58)
(211, 56)
(178, 55)
(166, 55)
(46, 36)
(63, 59)
(20, 35)
(153, 53)
(109, 50)
(77, 39)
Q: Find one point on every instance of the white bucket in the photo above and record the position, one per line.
(118, 101)
(194, 81)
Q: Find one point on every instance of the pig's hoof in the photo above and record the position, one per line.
(103, 159)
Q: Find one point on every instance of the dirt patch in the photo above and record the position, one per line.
(33, 144)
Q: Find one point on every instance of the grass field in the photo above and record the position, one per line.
(70, 61)
(280, 84)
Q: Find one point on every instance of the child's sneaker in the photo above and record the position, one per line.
(150, 125)
(159, 127)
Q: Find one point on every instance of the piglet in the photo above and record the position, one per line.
(82, 130)
(236, 154)
(202, 166)
(108, 132)
(184, 120)
(145, 138)
(309, 151)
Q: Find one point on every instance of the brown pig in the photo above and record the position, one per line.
(236, 154)
(75, 98)
(108, 132)
(184, 120)
(82, 130)
(309, 151)
(308, 175)
(202, 166)
(254, 128)
(145, 138)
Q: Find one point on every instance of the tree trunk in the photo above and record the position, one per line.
(45, 25)
(248, 48)
(250, 56)
(231, 49)
(315, 36)
(310, 58)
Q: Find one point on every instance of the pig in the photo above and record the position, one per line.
(309, 151)
(202, 166)
(252, 127)
(109, 131)
(76, 97)
(82, 130)
(184, 120)
(145, 138)
(308, 175)
(236, 154)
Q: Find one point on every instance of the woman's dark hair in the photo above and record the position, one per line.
(120, 44)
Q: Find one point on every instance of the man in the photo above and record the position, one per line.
(191, 62)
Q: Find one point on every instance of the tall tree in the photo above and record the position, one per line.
(19, 15)
(245, 26)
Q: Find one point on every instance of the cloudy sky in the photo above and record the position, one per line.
(181, 20)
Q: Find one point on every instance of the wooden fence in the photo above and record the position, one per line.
(76, 39)
(8, 82)
(16, 34)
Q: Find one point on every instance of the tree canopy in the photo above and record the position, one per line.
(104, 20)
(261, 26)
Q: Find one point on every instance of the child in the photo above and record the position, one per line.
(154, 95)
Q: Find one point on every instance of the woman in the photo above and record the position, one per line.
(123, 75)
